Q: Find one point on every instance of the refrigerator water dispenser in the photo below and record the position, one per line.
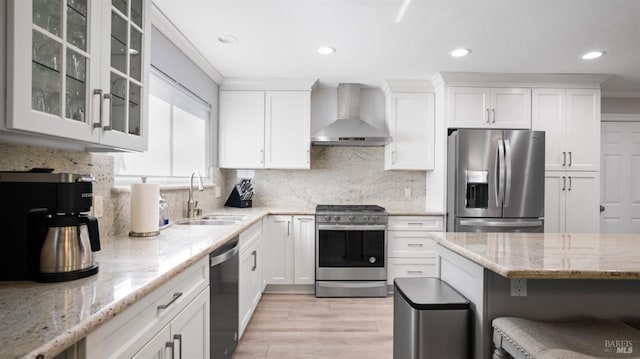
(477, 189)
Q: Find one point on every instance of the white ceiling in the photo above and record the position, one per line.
(278, 38)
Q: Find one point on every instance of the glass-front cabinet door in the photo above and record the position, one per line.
(78, 69)
(54, 65)
(127, 75)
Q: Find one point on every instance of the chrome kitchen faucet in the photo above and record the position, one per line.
(192, 206)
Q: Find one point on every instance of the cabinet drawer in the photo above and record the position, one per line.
(125, 334)
(250, 235)
(415, 223)
(411, 267)
(412, 243)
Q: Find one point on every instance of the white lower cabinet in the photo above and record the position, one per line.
(250, 274)
(187, 336)
(173, 317)
(411, 246)
(290, 250)
(572, 202)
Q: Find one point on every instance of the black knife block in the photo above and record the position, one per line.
(235, 200)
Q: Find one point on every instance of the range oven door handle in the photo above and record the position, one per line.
(339, 227)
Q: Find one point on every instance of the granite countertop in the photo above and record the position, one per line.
(41, 320)
(551, 255)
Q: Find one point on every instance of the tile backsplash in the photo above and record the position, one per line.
(341, 175)
(338, 175)
(115, 220)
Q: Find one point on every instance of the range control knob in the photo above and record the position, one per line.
(327, 218)
(352, 218)
(337, 218)
(372, 260)
(374, 218)
(365, 218)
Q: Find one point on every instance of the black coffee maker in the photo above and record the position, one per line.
(45, 234)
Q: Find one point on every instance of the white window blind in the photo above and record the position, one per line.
(179, 141)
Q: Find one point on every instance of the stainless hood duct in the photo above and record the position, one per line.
(349, 129)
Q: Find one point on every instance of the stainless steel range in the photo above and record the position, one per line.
(351, 244)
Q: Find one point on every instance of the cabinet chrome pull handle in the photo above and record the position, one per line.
(569, 184)
(564, 183)
(308, 156)
(414, 224)
(178, 338)
(288, 228)
(107, 97)
(169, 345)
(176, 295)
(99, 93)
(261, 156)
(393, 157)
(564, 159)
(570, 159)
(487, 115)
(255, 260)
(414, 272)
(414, 244)
(493, 111)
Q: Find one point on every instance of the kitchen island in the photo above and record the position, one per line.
(559, 276)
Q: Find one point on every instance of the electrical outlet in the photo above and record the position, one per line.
(518, 287)
(217, 191)
(407, 192)
(98, 206)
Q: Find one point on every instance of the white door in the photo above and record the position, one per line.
(583, 202)
(511, 108)
(469, 107)
(304, 250)
(620, 175)
(278, 250)
(554, 201)
(287, 129)
(583, 129)
(241, 129)
(548, 114)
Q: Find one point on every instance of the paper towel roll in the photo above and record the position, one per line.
(144, 209)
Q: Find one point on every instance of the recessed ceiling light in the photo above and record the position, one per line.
(593, 55)
(460, 52)
(326, 50)
(228, 39)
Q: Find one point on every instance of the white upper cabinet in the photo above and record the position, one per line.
(78, 70)
(263, 125)
(410, 119)
(287, 129)
(477, 107)
(241, 129)
(571, 121)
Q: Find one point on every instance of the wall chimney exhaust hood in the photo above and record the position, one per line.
(349, 129)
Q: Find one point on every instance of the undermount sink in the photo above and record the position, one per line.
(215, 220)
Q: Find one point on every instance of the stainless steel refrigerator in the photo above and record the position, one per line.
(495, 181)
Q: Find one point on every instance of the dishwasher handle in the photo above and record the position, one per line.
(223, 254)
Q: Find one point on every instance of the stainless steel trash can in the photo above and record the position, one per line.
(430, 320)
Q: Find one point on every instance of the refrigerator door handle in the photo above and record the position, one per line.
(501, 224)
(507, 169)
(500, 173)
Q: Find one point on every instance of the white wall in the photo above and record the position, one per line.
(620, 105)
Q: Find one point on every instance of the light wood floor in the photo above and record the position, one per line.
(302, 326)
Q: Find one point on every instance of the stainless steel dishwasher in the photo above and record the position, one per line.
(223, 282)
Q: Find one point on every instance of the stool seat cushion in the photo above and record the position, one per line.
(585, 338)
